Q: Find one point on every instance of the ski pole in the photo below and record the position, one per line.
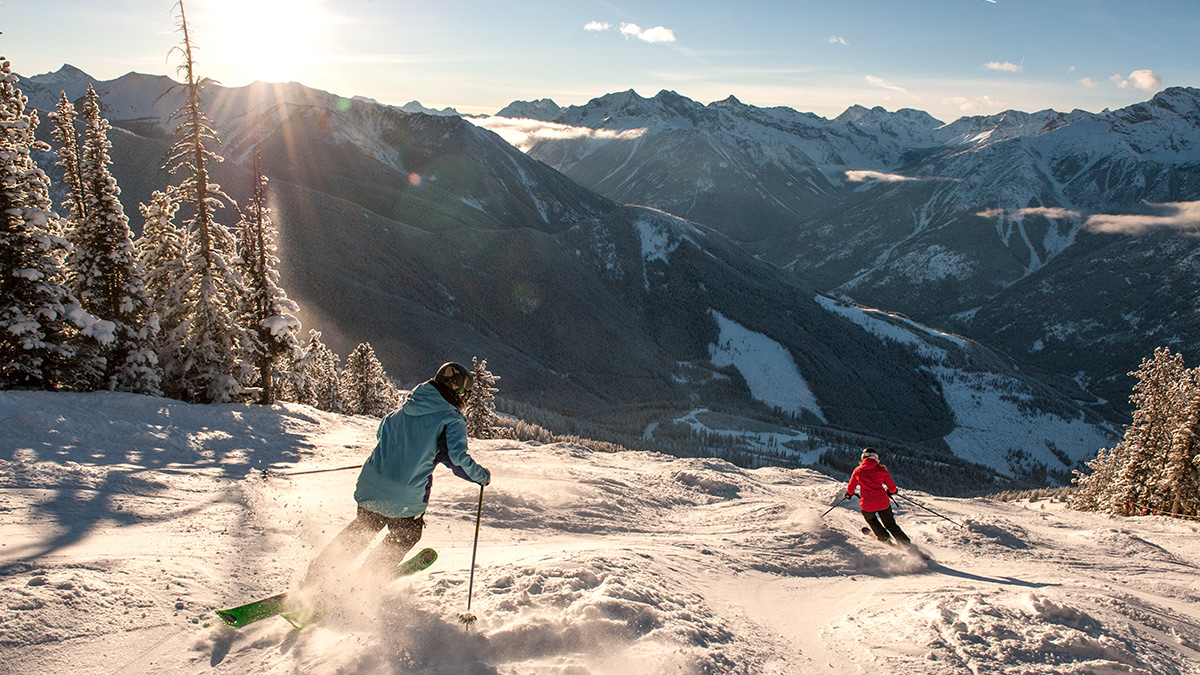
(913, 501)
(835, 504)
(267, 473)
(467, 617)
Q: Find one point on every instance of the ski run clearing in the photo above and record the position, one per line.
(126, 520)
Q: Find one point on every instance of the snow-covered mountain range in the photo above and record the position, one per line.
(999, 227)
(433, 239)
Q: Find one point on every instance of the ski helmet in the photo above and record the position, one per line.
(870, 453)
(456, 378)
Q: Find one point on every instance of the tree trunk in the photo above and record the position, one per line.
(267, 397)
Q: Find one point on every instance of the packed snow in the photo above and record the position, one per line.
(128, 519)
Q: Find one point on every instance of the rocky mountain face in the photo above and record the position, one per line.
(434, 239)
(979, 226)
(749, 172)
(542, 109)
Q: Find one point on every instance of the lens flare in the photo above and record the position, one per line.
(266, 40)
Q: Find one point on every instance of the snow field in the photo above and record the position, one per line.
(125, 520)
(991, 422)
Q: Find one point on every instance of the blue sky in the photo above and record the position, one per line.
(949, 57)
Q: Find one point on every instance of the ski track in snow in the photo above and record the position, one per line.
(127, 520)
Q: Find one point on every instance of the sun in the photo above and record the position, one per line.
(267, 40)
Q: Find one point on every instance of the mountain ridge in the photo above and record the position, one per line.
(429, 236)
(935, 220)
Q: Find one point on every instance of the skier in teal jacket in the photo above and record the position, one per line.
(394, 484)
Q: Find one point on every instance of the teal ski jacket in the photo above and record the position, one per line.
(396, 479)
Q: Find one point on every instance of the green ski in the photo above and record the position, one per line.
(301, 616)
(254, 611)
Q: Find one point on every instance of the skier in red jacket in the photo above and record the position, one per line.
(875, 485)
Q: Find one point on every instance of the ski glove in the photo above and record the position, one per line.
(849, 496)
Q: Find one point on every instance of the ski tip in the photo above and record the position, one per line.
(418, 562)
(229, 619)
(304, 616)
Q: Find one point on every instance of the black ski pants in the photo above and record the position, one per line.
(403, 534)
(886, 529)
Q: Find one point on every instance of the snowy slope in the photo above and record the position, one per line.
(127, 520)
(994, 418)
(768, 368)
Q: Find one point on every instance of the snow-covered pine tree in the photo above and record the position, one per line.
(106, 276)
(1180, 483)
(162, 251)
(1157, 408)
(1091, 487)
(68, 157)
(1137, 474)
(315, 380)
(270, 316)
(366, 388)
(480, 409)
(204, 365)
(47, 341)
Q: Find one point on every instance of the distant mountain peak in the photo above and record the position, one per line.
(853, 113)
(44, 90)
(1180, 100)
(66, 74)
(415, 106)
(542, 109)
(623, 99)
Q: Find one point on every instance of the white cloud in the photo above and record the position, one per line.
(1146, 80)
(597, 26)
(1178, 215)
(1089, 82)
(658, 34)
(977, 104)
(1004, 66)
(524, 133)
(879, 82)
(877, 177)
(1051, 212)
(867, 176)
(835, 40)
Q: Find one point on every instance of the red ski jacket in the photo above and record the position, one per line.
(875, 485)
